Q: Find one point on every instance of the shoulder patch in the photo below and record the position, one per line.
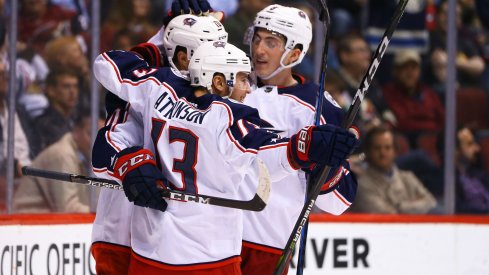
(331, 99)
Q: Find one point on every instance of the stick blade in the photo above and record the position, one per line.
(264, 182)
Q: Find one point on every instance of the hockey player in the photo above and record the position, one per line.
(111, 229)
(280, 40)
(205, 145)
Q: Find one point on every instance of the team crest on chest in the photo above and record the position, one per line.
(268, 89)
(189, 21)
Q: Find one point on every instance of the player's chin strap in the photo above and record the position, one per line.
(281, 67)
(184, 74)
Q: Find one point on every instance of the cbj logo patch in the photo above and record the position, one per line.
(189, 21)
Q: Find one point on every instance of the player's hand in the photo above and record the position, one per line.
(141, 179)
(150, 53)
(325, 144)
(197, 7)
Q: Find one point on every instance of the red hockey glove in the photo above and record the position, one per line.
(140, 177)
(149, 52)
(325, 144)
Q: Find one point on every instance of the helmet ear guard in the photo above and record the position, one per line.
(190, 31)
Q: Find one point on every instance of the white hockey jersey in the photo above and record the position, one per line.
(123, 128)
(289, 109)
(208, 146)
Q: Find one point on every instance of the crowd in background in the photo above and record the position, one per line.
(399, 164)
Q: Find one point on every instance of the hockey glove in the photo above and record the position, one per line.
(196, 7)
(140, 177)
(149, 52)
(325, 144)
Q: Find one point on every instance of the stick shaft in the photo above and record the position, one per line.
(325, 18)
(255, 204)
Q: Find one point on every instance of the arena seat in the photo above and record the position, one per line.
(472, 108)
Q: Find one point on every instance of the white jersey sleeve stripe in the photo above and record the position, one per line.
(235, 142)
(242, 128)
(127, 113)
(342, 199)
(284, 144)
(97, 170)
(107, 134)
(266, 147)
(109, 121)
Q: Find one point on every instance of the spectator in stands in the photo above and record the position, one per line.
(416, 107)
(40, 21)
(70, 154)
(354, 59)
(469, 62)
(66, 52)
(383, 188)
(472, 181)
(131, 15)
(62, 94)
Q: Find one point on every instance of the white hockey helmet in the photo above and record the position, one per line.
(292, 23)
(217, 57)
(189, 31)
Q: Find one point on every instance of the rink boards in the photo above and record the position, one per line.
(349, 244)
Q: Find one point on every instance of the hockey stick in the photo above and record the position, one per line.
(352, 111)
(257, 203)
(325, 18)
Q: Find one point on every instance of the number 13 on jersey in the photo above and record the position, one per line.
(185, 165)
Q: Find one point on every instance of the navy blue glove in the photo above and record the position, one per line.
(141, 179)
(325, 144)
(196, 7)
